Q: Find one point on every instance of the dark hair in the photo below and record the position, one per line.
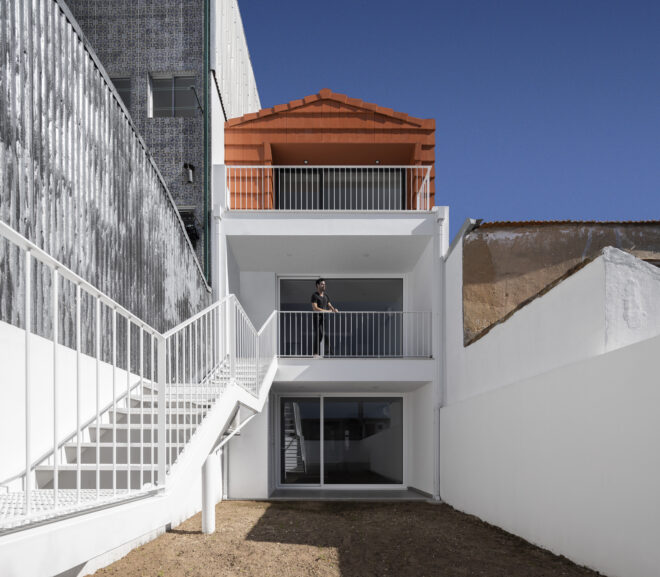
(319, 281)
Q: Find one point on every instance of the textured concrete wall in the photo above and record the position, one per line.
(504, 265)
(75, 179)
(137, 39)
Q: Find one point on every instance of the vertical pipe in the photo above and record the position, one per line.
(97, 352)
(56, 332)
(78, 394)
(177, 380)
(209, 482)
(27, 504)
(114, 401)
(128, 404)
(154, 391)
(141, 484)
(162, 430)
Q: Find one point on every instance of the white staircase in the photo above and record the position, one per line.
(159, 399)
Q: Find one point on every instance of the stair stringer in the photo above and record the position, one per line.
(93, 540)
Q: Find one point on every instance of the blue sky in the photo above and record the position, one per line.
(544, 109)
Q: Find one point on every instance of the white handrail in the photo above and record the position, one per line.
(179, 376)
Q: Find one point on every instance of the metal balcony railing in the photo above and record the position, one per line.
(329, 188)
(391, 334)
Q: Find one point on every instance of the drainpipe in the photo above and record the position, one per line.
(207, 222)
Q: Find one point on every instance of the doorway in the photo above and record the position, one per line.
(340, 441)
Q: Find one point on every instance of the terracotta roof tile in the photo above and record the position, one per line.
(521, 223)
(327, 94)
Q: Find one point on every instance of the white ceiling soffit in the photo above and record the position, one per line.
(322, 255)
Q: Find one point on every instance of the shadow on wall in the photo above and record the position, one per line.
(403, 539)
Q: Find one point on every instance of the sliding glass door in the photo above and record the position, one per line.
(334, 441)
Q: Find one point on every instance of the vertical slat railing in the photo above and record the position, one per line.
(363, 334)
(333, 188)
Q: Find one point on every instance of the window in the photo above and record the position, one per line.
(361, 444)
(123, 87)
(173, 96)
(191, 223)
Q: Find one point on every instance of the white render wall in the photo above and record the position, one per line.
(248, 459)
(611, 302)
(632, 299)
(12, 409)
(258, 295)
(230, 60)
(567, 459)
(421, 465)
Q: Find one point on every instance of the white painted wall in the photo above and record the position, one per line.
(233, 273)
(567, 459)
(420, 282)
(420, 438)
(217, 127)
(12, 396)
(247, 457)
(230, 59)
(632, 299)
(612, 301)
(258, 295)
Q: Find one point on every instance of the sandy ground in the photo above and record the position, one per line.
(340, 539)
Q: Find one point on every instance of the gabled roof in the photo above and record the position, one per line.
(326, 94)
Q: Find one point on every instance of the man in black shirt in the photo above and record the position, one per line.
(321, 304)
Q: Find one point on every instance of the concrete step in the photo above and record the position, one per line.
(67, 476)
(148, 453)
(178, 415)
(175, 433)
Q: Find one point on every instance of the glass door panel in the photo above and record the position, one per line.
(362, 441)
(300, 441)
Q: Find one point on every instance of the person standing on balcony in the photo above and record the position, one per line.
(321, 304)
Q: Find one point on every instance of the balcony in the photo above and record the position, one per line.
(389, 334)
(329, 188)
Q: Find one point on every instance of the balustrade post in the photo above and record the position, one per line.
(231, 337)
(162, 410)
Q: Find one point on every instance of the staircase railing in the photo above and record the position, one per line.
(109, 416)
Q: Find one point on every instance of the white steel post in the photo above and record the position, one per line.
(27, 504)
(162, 410)
(209, 481)
(231, 337)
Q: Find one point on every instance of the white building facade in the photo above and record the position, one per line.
(355, 399)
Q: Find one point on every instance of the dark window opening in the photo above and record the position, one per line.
(191, 224)
(173, 96)
(123, 88)
(339, 189)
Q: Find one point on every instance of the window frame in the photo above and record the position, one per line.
(172, 77)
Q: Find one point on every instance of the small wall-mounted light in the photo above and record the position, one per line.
(378, 162)
(306, 161)
(189, 169)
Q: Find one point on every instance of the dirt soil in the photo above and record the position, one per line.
(340, 539)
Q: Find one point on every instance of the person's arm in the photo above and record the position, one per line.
(333, 309)
(316, 308)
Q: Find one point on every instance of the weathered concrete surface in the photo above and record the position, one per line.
(506, 264)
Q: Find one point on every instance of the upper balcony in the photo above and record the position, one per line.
(328, 188)
(329, 152)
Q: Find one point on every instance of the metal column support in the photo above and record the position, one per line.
(210, 480)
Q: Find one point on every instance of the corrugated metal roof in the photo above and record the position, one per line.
(510, 223)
